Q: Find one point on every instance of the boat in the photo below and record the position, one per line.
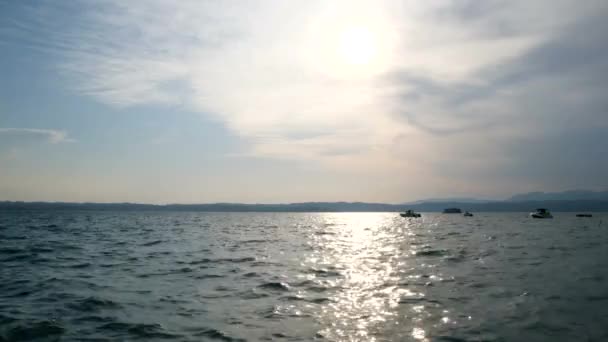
(452, 211)
(584, 215)
(466, 213)
(410, 213)
(541, 213)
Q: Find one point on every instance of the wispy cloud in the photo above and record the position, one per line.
(53, 136)
(267, 69)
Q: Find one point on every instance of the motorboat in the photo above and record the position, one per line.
(452, 211)
(468, 214)
(541, 213)
(410, 213)
(584, 215)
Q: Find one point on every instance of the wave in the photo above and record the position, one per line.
(34, 331)
(314, 286)
(215, 334)
(9, 237)
(222, 260)
(152, 243)
(81, 265)
(277, 286)
(8, 250)
(209, 276)
(300, 298)
(17, 257)
(417, 300)
(252, 294)
(154, 330)
(431, 252)
(42, 250)
(93, 304)
(324, 233)
(253, 241)
(321, 272)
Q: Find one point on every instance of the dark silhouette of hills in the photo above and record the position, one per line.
(564, 195)
(451, 199)
(493, 206)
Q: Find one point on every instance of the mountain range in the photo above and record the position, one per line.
(576, 200)
(570, 195)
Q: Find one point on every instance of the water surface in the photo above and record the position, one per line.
(158, 276)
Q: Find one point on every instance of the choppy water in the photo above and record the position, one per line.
(73, 276)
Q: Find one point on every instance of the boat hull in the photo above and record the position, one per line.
(539, 216)
(412, 215)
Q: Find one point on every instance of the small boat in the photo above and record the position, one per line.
(410, 213)
(584, 215)
(466, 213)
(452, 211)
(541, 213)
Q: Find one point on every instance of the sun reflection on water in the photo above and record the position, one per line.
(365, 250)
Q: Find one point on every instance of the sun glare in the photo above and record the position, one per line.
(348, 41)
(357, 45)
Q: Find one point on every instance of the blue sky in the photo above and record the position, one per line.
(273, 101)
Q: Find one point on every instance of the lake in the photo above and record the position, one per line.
(190, 276)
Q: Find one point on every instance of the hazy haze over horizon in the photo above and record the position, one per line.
(273, 102)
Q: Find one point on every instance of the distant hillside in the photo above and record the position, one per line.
(508, 206)
(496, 206)
(451, 199)
(561, 196)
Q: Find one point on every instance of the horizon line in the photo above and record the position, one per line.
(418, 202)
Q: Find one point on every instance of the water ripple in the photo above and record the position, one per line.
(185, 276)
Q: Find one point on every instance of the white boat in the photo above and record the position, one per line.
(541, 213)
(466, 213)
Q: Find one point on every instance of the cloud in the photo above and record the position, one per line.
(259, 68)
(533, 121)
(460, 88)
(53, 136)
(265, 69)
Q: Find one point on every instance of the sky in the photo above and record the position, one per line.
(292, 101)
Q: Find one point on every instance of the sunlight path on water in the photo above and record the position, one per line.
(366, 249)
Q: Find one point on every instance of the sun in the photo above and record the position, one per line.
(347, 44)
(357, 45)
